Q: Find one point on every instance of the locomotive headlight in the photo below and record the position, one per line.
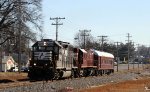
(34, 64)
(45, 43)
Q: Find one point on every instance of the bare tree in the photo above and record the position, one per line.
(30, 17)
(79, 40)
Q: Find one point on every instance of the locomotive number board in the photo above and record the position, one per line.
(45, 43)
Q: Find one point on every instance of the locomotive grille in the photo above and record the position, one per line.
(43, 55)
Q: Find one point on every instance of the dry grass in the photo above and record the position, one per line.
(12, 79)
(12, 76)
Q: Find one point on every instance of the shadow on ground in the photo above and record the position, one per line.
(6, 81)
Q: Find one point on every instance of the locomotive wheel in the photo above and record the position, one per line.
(56, 75)
(75, 74)
(112, 71)
(91, 72)
(95, 73)
(81, 73)
(30, 75)
(86, 73)
(72, 74)
(99, 72)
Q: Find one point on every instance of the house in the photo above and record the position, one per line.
(7, 63)
(24, 58)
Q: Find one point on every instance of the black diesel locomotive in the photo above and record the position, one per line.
(51, 60)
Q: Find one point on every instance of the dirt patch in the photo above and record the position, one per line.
(140, 85)
(12, 77)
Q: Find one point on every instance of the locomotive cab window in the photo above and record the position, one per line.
(34, 48)
(49, 48)
(42, 48)
(38, 48)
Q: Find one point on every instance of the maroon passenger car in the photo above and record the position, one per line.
(94, 62)
(104, 62)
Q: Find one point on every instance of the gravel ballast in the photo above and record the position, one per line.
(72, 84)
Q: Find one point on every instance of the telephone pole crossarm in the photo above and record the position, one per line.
(57, 24)
(102, 41)
(84, 35)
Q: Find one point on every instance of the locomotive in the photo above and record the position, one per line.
(56, 59)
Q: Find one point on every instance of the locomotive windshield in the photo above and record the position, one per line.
(43, 46)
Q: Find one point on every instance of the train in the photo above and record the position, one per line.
(53, 59)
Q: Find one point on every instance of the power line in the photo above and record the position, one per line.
(102, 41)
(57, 24)
(84, 35)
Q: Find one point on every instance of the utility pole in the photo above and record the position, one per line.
(117, 54)
(133, 56)
(128, 36)
(138, 55)
(57, 24)
(102, 41)
(84, 35)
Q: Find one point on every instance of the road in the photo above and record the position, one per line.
(131, 67)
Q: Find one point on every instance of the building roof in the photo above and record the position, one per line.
(6, 58)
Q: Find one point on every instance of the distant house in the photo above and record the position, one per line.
(24, 58)
(7, 63)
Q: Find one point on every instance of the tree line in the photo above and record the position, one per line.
(135, 51)
(27, 14)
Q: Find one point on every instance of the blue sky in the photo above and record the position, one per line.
(114, 18)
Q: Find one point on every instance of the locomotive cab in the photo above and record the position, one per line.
(45, 53)
(51, 60)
